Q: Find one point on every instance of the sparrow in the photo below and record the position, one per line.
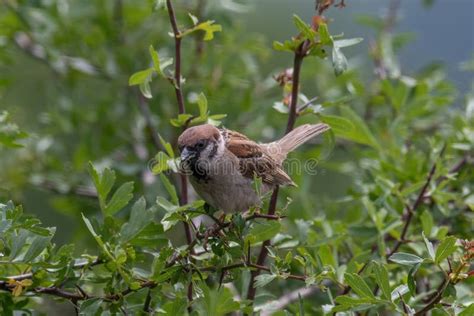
(221, 164)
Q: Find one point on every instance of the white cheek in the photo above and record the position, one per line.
(220, 146)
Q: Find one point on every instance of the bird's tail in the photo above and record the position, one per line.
(297, 137)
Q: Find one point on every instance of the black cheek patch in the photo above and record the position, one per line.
(213, 152)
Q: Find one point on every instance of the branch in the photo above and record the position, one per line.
(26, 276)
(300, 53)
(179, 97)
(409, 211)
(252, 265)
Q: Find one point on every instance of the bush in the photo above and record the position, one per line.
(396, 240)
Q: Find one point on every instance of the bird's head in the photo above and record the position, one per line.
(202, 142)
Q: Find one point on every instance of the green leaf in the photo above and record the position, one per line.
(140, 77)
(429, 246)
(281, 107)
(193, 18)
(468, 311)
(263, 279)
(348, 42)
(405, 258)
(339, 125)
(411, 279)
(93, 233)
(217, 302)
(339, 61)
(176, 306)
(160, 163)
(208, 27)
(445, 249)
(381, 276)
(427, 222)
(90, 307)
(103, 182)
(278, 46)
(326, 255)
(301, 305)
(324, 35)
(181, 120)
(304, 28)
(361, 132)
(37, 246)
(145, 89)
(169, 188)
(263, 230)
(140, 217)
(120, 199)
(202, 103)
(156, 61)
(167, 146)
(399, 291)
(358, 285)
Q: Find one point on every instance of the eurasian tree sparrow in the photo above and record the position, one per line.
(221, 164)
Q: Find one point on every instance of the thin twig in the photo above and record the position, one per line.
(181, 109)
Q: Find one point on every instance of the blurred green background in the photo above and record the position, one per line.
(64, 69)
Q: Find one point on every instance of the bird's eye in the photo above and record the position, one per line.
(201, 144)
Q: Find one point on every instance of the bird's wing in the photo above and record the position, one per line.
(254, 160)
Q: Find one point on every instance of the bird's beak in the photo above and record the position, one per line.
(187, 154)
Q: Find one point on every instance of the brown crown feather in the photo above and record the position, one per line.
(194, 134)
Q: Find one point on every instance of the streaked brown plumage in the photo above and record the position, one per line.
(221, 163)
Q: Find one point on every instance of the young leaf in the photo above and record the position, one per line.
(156, 60)
(324, 35)
(405, 258)
(358, 285)
(145, 89)
(263, 279)
(160, 163)
(167, 146)
(193, 18)
(381, 276)
(339, 61)
(304, 28)
(208, 27)
(202, 103)
(429, 246)
(445, 249)
(120, 199)
(140, 77)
